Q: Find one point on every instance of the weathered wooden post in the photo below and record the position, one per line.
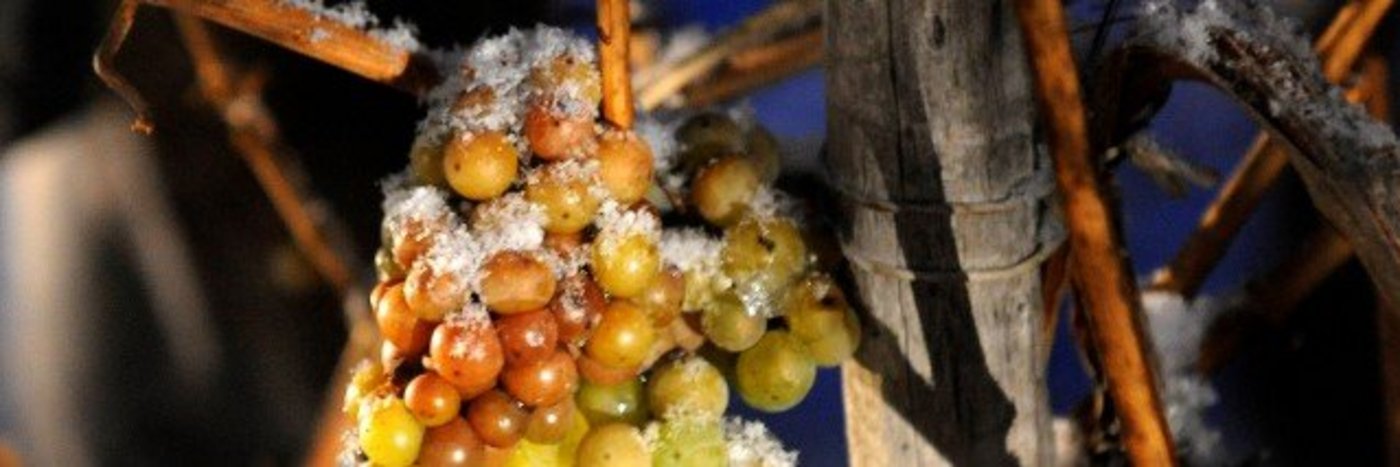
(930, 144)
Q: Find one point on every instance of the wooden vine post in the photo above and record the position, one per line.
(930, 115)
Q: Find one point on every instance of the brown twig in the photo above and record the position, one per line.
(614, 36)
(1339, 45)
(1102, 280)
(668, 79)
(761, 66)
(327, 40)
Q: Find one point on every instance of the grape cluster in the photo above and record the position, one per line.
(534, 311)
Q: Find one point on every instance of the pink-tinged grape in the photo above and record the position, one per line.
(399, 324)
(569, 203)
(542, 382)
(550, 424)
(598, 373)
(528, 337)
(389, 435)
(577, 307)
(432, 295)
(626, 266)
(818, 315)
(613, 445)
(722, 191)
(624, 402)
(775, 374)
(625, 166)
(497, 419)
(623, 336)
(560, 453)
(468, 354)
(514, 282)
(553, 136)
(432, 399)
(730, 325)
(480, 166)
(763, 256)
(453, 444)
(689, 442)
(688, 387)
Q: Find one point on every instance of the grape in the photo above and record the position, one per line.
(368, 377)
(480, 166)
(626, 266)
(412, 239)
(467, 354)
(686, 332)
(623, 336)
(529, 336)
(549, 424)
(378, 291)
(432, 399)
(691, 443)
(730, 325)
(554, 137)
(613, 445)
(776, 374)
(452, 444)
(819, 317)
(763, 256)
(577, 306)
(425, 162)
(389, 434)
(625, 166)
(598, 373)
(708, 130)
(513, 282)
(567, 71)
(432, 295)
(721, 192)
(385, 269)
(568, 203)
(497, 419)
(623, 402)
(542, 382)
(687, 387)
(564, 245)
(762, 150)
(663, 299)
(399, 324)
(391, 357)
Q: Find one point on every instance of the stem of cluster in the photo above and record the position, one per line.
(614, 34)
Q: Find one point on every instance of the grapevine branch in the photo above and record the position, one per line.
(760, 66)
(1339, 46)
(614, 34)
(340, 45)
(1102, 280)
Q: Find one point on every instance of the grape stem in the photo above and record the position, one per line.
(614, 34)
(1098, 267)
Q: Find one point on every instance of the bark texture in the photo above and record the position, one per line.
(930, 144)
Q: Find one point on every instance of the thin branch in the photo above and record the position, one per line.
(614, 36)
(284, 24)
(669, 79)
(1102, 279)
(253, 132)
(759, 67)
(1339, 45)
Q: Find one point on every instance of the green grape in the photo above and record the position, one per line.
(710, 128)
(691, 443)
(613, 445)
(385, 268)
(763, 256)
(730, 325)
(776, 374)
(425, 160)
(560, 454)
(721, 191)
(687, 387)
(389, 435)
(818, 315)
(624, 402)
(762, 150)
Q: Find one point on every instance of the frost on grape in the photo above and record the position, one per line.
(752, 445)
(1177, 329)
(616, 222)
(697, 255)
(658, 134)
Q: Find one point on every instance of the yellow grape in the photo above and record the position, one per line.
(775, 374)
(721, 192)
(691, 443)
(389, 434)
(480, 166)
(730, 324)
(626, 266)
(613, 445)
(818, 315)
(688, 387)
